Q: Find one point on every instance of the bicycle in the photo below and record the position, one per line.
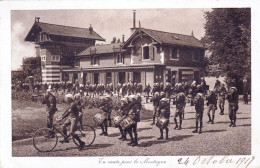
(46, 139)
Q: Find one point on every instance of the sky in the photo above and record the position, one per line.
(107, 23)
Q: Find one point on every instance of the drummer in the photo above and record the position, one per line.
(123, 110)
(164, 112)
(106, 106)
(134, 113)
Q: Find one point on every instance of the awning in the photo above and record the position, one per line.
(121, 68)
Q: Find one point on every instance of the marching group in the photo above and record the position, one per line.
(131, 105)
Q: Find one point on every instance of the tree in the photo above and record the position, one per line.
(114, 40)
(228, 35)
(32, 67)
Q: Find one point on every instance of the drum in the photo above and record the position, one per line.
(99, 118)
(117, 120)
(162, 122)
(127, 122)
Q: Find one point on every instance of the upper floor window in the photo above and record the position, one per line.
(120, 59)
(55, 58)
(95, 60)
(43, 58)
(175, 53)
(77, 62)
(146, 52)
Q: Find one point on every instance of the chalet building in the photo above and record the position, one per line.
(57, 45)
(147, 56)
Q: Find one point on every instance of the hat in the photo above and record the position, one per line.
(131, 97)
(234, 88)
(49, 90)
(199, 94)
(164, 100)
(69, 96)
(125, 100)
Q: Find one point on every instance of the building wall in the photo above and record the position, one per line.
(137, 51)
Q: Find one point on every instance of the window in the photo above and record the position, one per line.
(95, 60)
(120, 59)
(108, 78)
(43, 58)
(77, 62)
(175, 53)
(146, 52)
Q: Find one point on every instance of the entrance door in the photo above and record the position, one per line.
(96, 78)
(121, 76)
(108, 78)
(137, 77)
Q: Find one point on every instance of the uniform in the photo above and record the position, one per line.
(106, 106)
(199, 107)
(222, 98)
(232, 98)
(50, 102)
(73, 115)
(134, 112)
(180, 105)
(212, 106)
(156, 100)
(124, 111)
(164, 112)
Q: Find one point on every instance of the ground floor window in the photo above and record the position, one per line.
(137, 77)
(108, 78)
(96, 78)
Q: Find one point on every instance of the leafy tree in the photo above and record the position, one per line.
(32, 67)
(228, 35)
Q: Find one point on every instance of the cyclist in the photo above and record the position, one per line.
(73, 113)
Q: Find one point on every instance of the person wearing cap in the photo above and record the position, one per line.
(199, 107)
(232, 98)
(123, 111)
(72, 113)
(164, 112)
(147, 90)
(245, 91)
(168, 90)
(50, 101)
(212, 105)
(222, 98)
(79, 101)
(180, 105)
(106, 106)
(156, 100)
(134, 109)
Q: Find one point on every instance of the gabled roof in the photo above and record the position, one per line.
(68, 31)
(168, 38)
(102, 49)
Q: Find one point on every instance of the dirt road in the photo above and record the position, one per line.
(216, 139)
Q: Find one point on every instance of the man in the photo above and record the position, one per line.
(147, 90)
(51, 108)
(164, 112)
(180, 105)
(155, 99)
(124, 111)
(245, 91)
(222, 98)
(106, 106)
(73, 114)
(168, 90)
(212, 105)
(134, 112)
(199, 107)
(232, 98)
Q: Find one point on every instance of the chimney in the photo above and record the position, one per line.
(134, 18)
(123, 38)
(90, 29)
(37, 19)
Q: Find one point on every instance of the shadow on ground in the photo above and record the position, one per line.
(154, 142)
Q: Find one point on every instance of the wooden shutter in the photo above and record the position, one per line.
(140, 53)
(151, 52)
(91, 60)
(114, 58)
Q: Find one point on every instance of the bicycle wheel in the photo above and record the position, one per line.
(87, 135)
(45, 140)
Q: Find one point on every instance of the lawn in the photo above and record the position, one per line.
(29, 116)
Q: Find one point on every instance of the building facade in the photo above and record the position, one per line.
(147, 56)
